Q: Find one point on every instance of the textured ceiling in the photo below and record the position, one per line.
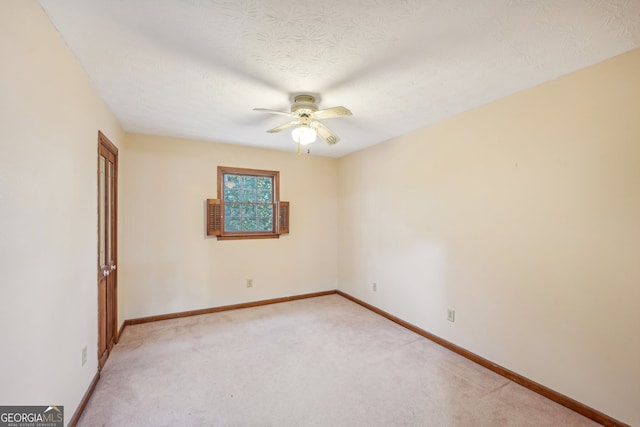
(197, 68)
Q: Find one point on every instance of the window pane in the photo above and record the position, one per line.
(263, 196)
(265, 210)
(265, 224)
(231, 210)
(232, 195)
(109, 213)
(101, 212)
(232, 224)
(264, 183)
(248, 210)
(248, 224)
(248, 195)
(232, 181)
(249, 182)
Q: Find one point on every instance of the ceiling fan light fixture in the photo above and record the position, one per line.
(303, 135)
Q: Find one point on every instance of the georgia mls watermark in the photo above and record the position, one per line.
(32, 416)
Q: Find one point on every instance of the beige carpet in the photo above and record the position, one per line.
(317, 362)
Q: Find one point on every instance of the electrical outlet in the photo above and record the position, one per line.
(451, 315)
(249, 283)
(374, 287)
(84, 355)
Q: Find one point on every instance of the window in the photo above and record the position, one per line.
(248, 205)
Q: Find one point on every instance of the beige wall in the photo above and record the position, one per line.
(167, 262)
(523, 216)
(49, 121)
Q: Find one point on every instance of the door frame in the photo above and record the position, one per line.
(105, 146)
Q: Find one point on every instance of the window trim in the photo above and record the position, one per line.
(235, 235)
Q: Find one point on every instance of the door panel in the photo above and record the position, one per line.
(107, 245)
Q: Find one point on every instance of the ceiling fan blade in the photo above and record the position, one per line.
(332, 112)
(283, 113)
(325, 133)
(284, 126)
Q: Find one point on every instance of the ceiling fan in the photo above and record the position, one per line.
(306, 118)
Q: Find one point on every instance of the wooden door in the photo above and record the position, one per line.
(107, 247)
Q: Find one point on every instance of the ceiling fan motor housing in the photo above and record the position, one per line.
(304, 105)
